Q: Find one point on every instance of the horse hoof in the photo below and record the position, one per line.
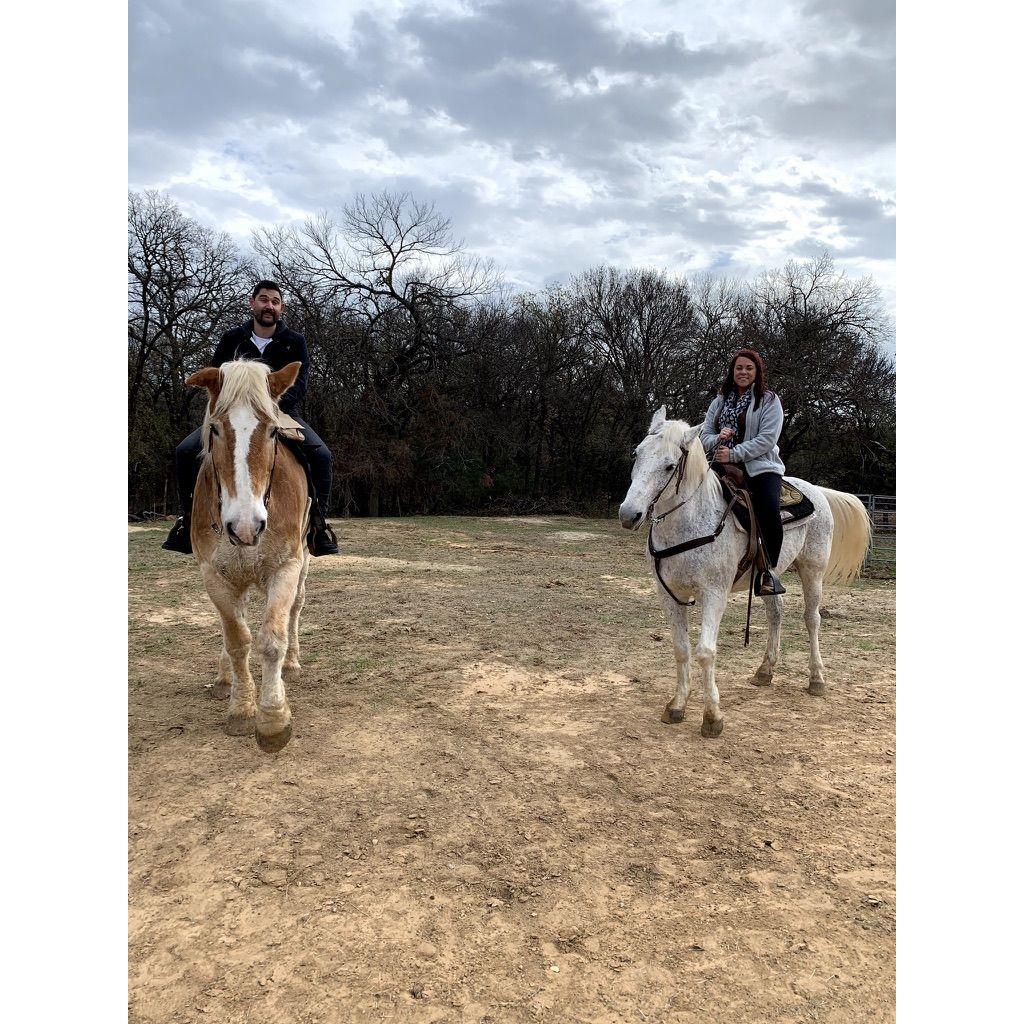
(762, 679)
(275, 742)
(671, 715)
(291, 671)
(240, 725)
(220, 691)
(712, 726)
(816, 687)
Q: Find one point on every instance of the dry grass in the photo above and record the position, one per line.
(479, 790)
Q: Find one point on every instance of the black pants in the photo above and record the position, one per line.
(188, 455)
(765, 491)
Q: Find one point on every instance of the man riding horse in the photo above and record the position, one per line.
(265, 338)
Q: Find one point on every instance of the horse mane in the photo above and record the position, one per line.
(696, 473)
(242, 382)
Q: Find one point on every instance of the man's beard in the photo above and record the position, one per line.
(268, 313)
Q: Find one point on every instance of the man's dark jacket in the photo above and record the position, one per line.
(285, 347)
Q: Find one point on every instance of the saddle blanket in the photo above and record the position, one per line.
(794, 507)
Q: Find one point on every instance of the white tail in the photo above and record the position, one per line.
(850, 538)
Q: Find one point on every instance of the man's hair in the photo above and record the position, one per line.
(271, 286)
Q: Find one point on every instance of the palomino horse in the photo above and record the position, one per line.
(829, 545)
(249, 519)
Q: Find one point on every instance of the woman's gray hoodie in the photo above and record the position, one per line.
(758, 449)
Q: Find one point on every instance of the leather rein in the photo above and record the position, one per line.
(677, 549)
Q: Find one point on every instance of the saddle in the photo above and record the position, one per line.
(794, 507)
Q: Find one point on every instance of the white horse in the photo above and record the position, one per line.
(828, 545)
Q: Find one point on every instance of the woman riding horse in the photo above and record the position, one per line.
(743, 426)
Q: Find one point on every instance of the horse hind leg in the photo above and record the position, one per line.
(773, 610)
(221, 689)
(811, 575)
(292, 666)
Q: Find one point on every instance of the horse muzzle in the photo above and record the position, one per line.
(246, 535)
(630, 517)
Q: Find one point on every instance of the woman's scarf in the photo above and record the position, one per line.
(732, 409)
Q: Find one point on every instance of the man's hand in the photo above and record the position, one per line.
(722, 455)
(726, 433)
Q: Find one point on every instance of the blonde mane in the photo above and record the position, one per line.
(242, 382)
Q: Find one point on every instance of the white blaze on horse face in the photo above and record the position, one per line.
(244, 509)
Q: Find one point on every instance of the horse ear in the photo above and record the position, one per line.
(209, 378)
(658, 421)
(689, 436)
(281, 380)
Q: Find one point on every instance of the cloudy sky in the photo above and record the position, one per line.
(722, 135)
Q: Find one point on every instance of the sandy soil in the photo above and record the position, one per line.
(481, 817)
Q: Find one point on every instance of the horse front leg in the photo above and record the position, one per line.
(680, 621)
(712, 610)
(273, 716)
(773, 610)
(292, 667)
(230, 603)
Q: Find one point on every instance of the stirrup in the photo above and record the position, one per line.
(769, 585)
(180, 537)
(324, 542)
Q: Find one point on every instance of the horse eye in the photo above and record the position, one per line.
(214, 430)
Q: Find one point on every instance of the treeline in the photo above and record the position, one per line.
(440, 392)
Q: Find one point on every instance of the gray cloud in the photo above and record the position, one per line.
(553, 136)
(867, 222)
(195, 66)
(873, 21)
(574, 37)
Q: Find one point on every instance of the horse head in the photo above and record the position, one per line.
(240, 440)
(658, 460)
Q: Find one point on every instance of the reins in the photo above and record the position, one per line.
(677, 549)
(658, 554)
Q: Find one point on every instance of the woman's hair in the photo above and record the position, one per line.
(728, 386)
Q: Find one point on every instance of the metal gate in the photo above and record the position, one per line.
(882, 513)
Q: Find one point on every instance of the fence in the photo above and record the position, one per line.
(881, 560)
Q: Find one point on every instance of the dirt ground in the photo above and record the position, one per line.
(481, 817)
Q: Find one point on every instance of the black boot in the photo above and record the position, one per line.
(769, 585)
(180, 537)
(322, 540)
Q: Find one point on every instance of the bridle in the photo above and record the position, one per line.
(677, 549)
(676, 475)
(218, 527)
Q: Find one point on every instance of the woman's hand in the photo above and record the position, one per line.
(722, 455)
(726, 433)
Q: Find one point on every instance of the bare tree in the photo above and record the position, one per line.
(392, 257)
(183, 278)
(183, 282)
(642, 322)
(822, 334)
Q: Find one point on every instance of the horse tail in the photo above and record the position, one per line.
(851, 536)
